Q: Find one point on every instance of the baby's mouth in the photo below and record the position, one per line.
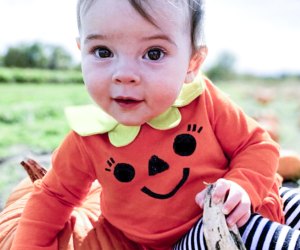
(127, 101)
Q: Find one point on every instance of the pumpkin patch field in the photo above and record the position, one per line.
(32, 121)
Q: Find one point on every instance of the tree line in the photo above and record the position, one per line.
(37, 56)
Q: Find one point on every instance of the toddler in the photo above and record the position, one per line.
(159, 131)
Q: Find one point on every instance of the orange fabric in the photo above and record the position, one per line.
(85, 230)
(149, 186)
(108, 238)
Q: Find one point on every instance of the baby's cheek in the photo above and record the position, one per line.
(166, 94)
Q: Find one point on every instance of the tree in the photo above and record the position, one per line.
(37, 55)
(223, 69)
(26, 56)
(14, 57)
(59, 58)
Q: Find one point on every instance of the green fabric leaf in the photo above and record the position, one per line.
(123, 135)
(88, 120)
(189, 92)
(169, 119)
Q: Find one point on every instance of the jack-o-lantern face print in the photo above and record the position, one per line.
(183, 145)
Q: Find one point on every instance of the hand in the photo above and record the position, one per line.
(237, 203)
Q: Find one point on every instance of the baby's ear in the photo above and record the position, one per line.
(78, 42)
(196, 61)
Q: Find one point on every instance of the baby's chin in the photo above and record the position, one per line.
(128, 120)
(131, 122)
(137, 119)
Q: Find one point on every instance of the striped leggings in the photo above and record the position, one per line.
(259, 233)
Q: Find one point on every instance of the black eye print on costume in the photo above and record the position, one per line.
(185, 144)
(123, 172)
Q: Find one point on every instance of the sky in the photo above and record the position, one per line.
(263, 35)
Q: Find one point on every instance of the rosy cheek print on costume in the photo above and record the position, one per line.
(183, 145)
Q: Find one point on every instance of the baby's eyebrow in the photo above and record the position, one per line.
(160, 37)
(91, 37)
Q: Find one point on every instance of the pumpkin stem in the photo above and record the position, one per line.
(33, 169)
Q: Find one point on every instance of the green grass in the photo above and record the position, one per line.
(40, 76)
(33, 115)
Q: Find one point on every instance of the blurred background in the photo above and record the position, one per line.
(253, 55)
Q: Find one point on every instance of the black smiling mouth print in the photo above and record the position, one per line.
(156, 166)
(185, 175)
(183, 145)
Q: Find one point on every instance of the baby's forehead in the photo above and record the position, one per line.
(146, 8)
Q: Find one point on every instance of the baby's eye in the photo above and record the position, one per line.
(103, 53)
(154, 54)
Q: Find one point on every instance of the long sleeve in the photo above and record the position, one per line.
(253, 154)
(50, 205)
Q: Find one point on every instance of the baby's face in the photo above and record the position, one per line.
(134, 70)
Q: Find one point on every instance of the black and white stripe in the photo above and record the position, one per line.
(259, 233)
(291, 205)
(194, 240)
(262, 234)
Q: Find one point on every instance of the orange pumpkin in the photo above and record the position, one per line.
(86, 229)
(289, 165)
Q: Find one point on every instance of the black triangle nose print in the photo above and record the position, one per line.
(157, 165)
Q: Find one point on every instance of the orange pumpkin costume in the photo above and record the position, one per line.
(149, 184)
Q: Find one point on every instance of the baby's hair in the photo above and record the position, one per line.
(196, 11)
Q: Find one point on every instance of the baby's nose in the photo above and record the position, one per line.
(126, 72)
(157, 165)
